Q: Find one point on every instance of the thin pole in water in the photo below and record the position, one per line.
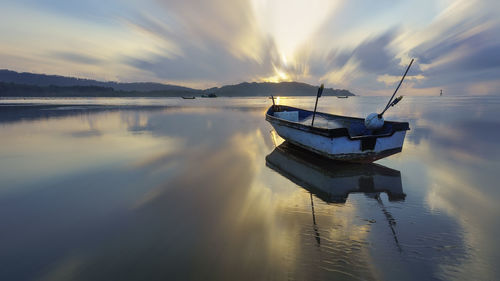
(320, 91)
(400, 82)
(315, 226)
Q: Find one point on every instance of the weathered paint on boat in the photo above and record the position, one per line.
(349, 140)
(334, 181)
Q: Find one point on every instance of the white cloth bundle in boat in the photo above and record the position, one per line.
(373, 122)
(288, 115)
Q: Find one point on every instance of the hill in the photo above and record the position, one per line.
(277, 89)
(14, 84)
(22, 90)
(42, 80)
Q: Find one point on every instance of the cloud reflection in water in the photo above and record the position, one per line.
(184, 193)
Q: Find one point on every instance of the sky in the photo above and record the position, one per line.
(360, 45)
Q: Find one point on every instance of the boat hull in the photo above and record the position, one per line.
(342, 147)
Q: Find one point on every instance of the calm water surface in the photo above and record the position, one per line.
(171, 189)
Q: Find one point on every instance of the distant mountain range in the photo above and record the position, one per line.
(15, 84)
(43, 80)
(277, 89)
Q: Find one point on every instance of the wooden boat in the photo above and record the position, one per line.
(337, 137)
(333, 181)
(342, 97)
(189, 98)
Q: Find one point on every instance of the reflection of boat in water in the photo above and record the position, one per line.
(333, 181)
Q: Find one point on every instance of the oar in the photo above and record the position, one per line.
(375, 121)
(389, 104)
(320, 91)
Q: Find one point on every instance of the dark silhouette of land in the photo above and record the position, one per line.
(22, 90)
(277, 89)
(43, 80)
(15, 84)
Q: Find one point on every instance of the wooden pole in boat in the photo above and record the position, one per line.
(320, 91)
(272, 97)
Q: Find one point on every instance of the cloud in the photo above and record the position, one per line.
(374, 55)
(215, 42)
(76, 57)
(210, 63)
(457, 51)
(464, 57)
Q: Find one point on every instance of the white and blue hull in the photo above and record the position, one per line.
(341, 145)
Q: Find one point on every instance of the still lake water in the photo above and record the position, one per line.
(172, 189)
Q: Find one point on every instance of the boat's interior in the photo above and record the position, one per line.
(355, 126)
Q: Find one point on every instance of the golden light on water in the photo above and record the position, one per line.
(277, 140)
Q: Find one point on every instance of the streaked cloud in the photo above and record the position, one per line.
(75, 57)
(359, 45)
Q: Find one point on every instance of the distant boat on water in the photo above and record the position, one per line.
(342, 97)
(209, 96)
(189, 98)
